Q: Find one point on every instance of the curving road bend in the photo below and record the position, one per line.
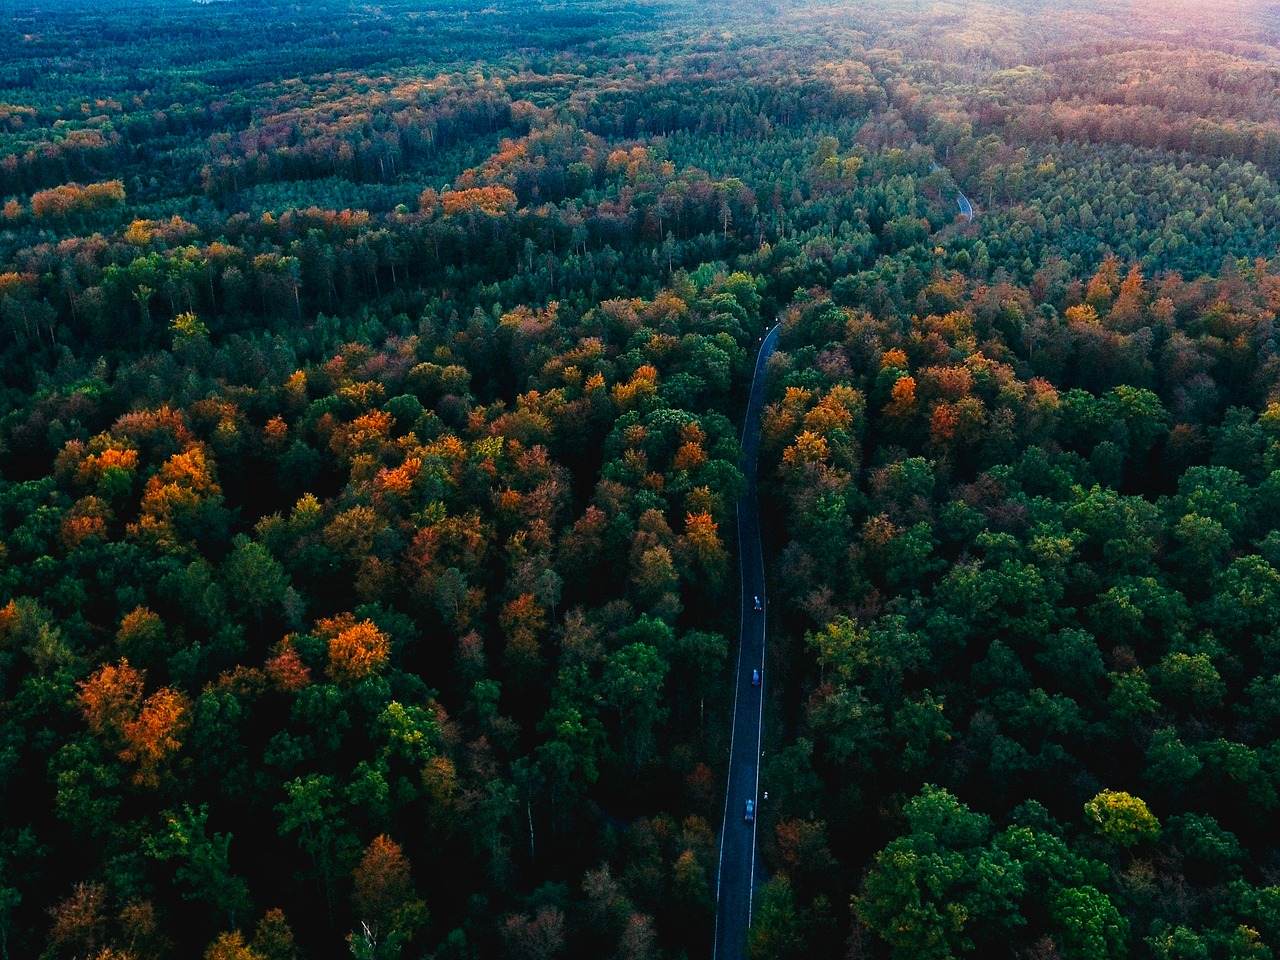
(966, 207)
(735, 877)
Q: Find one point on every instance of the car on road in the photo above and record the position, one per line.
(755, 677)
(756, 604)
(750, 815)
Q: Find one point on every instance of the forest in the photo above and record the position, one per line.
(372, 380)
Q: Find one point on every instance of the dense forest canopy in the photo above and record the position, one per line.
(370, 396)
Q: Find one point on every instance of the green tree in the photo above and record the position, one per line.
(203, 865)
(1087, 924)
(256, 581)
(777, 927)
(312, 813)
(1122, 818)
(632, 684)
(941, 890)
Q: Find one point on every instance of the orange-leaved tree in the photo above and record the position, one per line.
(356, 649)
(385, 906)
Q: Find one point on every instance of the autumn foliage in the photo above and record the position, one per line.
(356, 649)
(493, 201)
(110, 697)
(154, 734)
(73, 199)
(371, 455)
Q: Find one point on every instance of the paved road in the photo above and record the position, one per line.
(735, 880)
(966, 208)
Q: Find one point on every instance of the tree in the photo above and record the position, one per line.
(154, 734)
(493, 201)
(386, 910)
(190, 335)
(356, 649)
(522, 620)
(203, 866)
(1170, 762)
(78, 920)
(1189, 681)
(312, 813)
(632, 685)
(256, 581)
(110, 697)
(777, 931)
(273, 937)
(941, 889)
(1122, 818)
(537, 937)
(141, 636)
(230, 945)
(704, 541)
(1089, 924)
(182, 501)
(10, 899)
(72, 199)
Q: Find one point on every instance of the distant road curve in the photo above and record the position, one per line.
(735, 877)
(966, 208)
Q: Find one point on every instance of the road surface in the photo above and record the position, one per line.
(735, 878)
(966, 208)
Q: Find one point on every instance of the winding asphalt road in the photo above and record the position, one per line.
(735, 879)
(966, 208)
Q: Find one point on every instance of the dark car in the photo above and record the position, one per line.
(756, 604)
(750, 815)
(755, 678)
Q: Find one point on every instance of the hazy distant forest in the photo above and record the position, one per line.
(370, 395)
